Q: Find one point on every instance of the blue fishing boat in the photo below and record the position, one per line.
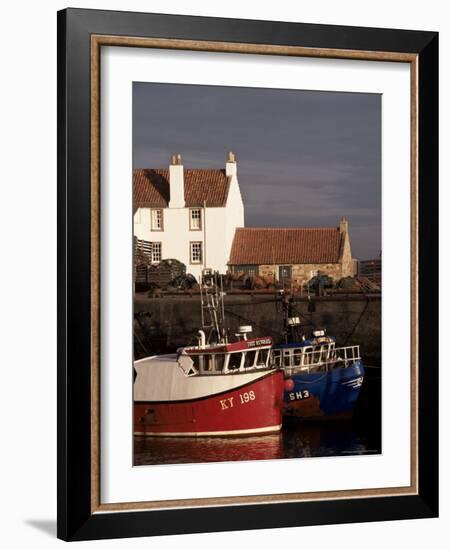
(321, 379)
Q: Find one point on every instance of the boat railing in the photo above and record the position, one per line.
(322, 358)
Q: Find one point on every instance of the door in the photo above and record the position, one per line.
(284, 272)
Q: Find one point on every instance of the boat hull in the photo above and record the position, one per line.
(323, 394)
(253, 408)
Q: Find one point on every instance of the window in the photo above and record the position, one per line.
(333, 351)
(198, 361)
(250, 270)
(157, 220)
(208, 365)
(277, 358)
(285, 272)
(308, 355)
(195, 219)
(234, 361)
(297, 357)
(156, 252)
(196, 253)
(219, 362)
(316, 354)
(262, 357)
(249, 359)
(287, 358)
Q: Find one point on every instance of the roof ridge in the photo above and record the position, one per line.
(167, 169)
(259, 228)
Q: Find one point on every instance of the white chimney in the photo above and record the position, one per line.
(231, 166)
(176, 181)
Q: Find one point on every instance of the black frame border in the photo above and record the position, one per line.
(75, 520)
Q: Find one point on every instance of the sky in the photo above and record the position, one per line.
(304, 158)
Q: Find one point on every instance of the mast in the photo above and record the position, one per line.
(212, 305)
(291, 319)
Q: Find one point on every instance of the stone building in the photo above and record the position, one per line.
(295, 253)
(196, 216)
(371, 269)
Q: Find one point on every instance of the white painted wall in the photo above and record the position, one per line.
(176, 237)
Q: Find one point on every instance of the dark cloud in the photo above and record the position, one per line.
(304, 158)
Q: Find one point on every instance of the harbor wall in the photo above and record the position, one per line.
(163, 324)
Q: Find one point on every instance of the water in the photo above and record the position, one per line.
(302, 440)
(359, 435)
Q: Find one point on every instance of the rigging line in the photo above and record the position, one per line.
(358, 321)
(143, 346)
(251, 321)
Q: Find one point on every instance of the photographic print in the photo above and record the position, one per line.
(257, 273)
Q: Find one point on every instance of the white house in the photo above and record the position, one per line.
(188, 214)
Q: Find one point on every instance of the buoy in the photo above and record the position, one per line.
(289, 384)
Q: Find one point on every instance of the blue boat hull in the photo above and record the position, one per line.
(323, 394)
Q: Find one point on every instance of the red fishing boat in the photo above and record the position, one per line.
(215, 388)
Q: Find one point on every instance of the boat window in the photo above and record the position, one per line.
(297, 356)
(287, 358)
(316, 354)
(332, 353)
(197, 360)
(323, 353)
(208, 363)
(262, 357)
(235, 361)
(219, 360)
(277, 357)
(249, 359)
(307, 355)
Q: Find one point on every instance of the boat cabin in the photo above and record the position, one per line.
(300, 355)
(317, 354)
(238, 357)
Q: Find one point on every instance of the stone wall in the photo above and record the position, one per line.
(163, 324)
(302, 273)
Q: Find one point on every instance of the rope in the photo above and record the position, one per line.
(242, 318)
(143, 346)
(358, 321)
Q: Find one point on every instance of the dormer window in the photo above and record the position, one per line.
(157, 219)
(195, 219)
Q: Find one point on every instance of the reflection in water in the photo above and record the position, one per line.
(172, 450)
(298, 439)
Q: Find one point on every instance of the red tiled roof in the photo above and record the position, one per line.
(290, 245)
(151, 188)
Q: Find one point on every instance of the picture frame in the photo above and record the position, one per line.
(81, 35)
